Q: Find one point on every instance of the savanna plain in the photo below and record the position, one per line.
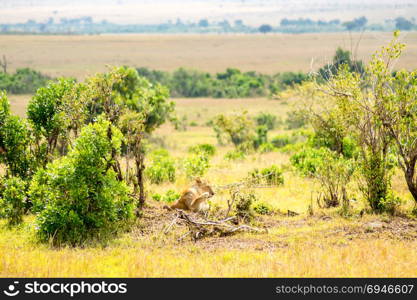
(302, 239)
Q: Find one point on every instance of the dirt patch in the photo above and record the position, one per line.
(154, 218)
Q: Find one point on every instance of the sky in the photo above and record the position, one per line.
(253, 12)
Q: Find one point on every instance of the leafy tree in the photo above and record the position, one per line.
(78, 196)
(362, 103)
(267, 120)
(123, 91)
(356, 24)
(397, 97)
(341, 57)
(191, 83)
(47, 116)
(23, 81)
(203, 23)
(402, 23)
(238, 129)
(265, 28)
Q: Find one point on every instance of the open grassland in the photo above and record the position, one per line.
(322, 244)
(79, 56)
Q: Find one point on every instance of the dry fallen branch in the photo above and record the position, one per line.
(199, 227)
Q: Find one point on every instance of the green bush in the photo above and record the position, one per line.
(24, 81)
(47, 116)
(271, 176)
(266, 147)
(231, 83)
(261, 136)
(162, 167)
(196, 164)
(390, 203)
(235, 128)
(243, 204)
(78, 197)
(308, 159)
(169, 197)
(266, 119)
(208, 149)
(283, 140)
(263, 208)
(235, 155)
(13, 200)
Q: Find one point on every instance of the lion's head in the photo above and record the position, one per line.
(204, 187)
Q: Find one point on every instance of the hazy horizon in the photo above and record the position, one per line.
(253, 12)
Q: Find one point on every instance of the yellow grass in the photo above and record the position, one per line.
(79, 56)
(323, 245)
(312, 250)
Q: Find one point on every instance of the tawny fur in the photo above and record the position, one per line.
(194, 198)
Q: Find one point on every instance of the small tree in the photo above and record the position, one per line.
(397, 93)
(361, 101)
(47, 117)
(238, 129)
(123, 91)
(265, 28)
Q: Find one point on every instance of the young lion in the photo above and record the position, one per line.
(194, 198)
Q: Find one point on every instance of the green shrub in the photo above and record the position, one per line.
(47, 116)
(196, 164)
(208, 149)
(266, 147)
(232, 83)
(308, 159)
(156, 197)
(271, 176)
(333, 172)
(162, 167)
(242, 204)
(283, 140)
(78, 196)
(169, 197)
(235, 155)
(390, 203)
(13, 200)
(263, 208)
(261, 136)
(23, 81)
(237, 128)
(266, 119)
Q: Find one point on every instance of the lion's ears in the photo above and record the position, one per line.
(198, 180)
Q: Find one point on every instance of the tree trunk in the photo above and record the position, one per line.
(140, 167)
(409, 178)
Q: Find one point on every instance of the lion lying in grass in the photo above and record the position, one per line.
(194, 198)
